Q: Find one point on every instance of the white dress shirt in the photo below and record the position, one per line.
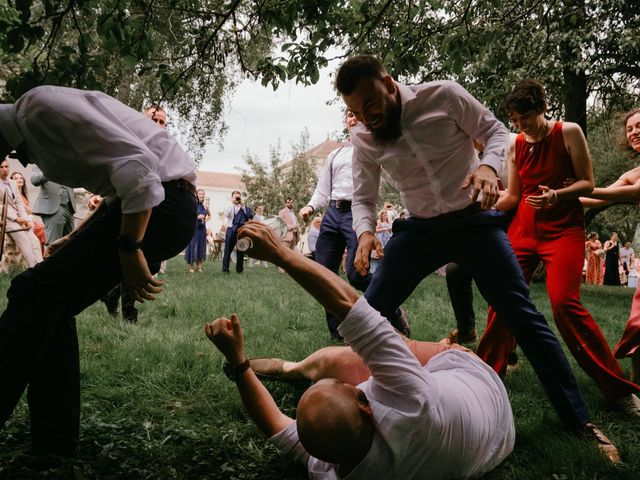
(336, 181)
(88, 139)
(448, 419)
(433, 155)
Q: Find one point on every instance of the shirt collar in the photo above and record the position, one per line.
(406, 94)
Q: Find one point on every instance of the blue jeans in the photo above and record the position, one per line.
(479, 244)
(336, 233)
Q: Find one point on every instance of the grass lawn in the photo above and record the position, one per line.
(156, 405)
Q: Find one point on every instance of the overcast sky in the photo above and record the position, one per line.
(257, 117)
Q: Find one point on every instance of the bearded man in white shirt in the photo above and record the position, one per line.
(422, 135)
(86, 139)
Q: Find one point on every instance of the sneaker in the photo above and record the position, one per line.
(594, 434)
(629, 404)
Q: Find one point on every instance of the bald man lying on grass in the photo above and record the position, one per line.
(448, 419)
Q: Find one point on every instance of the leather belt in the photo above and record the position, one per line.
(182, 184)
(341, 204)
(464, 212)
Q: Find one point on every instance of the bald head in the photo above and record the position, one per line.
(334, 422)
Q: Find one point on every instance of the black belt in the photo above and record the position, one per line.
(464, 212)
(341, 204)
(182, 184)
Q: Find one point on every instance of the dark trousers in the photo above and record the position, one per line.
(38, 341)
(230, 241)
(336, 233)
(479, 244)
(459, 285)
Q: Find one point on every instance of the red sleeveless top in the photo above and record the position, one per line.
(546, 162)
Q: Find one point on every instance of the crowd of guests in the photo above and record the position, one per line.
(415, 409)
(613, 263)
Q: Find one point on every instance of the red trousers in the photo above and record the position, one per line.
(563, 258)
(630, 340)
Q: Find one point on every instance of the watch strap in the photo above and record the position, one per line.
(233, 372)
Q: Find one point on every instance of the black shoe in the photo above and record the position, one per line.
(336, 337)
(130, 318)
(111, 301)
(400, 322)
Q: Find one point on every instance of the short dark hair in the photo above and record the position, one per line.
(288, 198)
(528, 95)
(234, 192)
(356, 68)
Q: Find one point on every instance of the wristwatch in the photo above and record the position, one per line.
(233, 372)
(127, 244)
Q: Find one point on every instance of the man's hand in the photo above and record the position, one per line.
(305, 212)
(55, 246)
(366, 244)
(265, 244)
(137, 278)
(484, 180)
(94, 202)
(227, 336)
(548, 198)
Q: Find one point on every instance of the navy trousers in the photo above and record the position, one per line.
(459, 285)
(38, 341)
(230, 240)
(336, 233)
(479, 244)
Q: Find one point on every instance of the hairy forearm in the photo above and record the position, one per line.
(260, 405)
(331, 291)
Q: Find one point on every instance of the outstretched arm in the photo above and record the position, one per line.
(227, 336)
(333, 293)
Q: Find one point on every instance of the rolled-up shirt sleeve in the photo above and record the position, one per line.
(98, 141)
(366, 184)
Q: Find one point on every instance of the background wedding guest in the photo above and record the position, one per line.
(594, 252)
(18, 227)
(56, 205)
(235, 216)
(612, 261)
(196, 251)
(38, 226)
(625, 256)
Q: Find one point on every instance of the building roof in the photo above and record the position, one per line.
(318, 154)
(219, 180)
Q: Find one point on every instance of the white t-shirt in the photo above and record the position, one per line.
(448, 419)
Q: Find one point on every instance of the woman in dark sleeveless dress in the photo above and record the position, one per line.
(612, 261)
(197, 249)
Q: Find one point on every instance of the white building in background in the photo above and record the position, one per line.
(218, 188)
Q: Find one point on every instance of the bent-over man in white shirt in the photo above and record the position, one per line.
(450, 419)
(86, 139)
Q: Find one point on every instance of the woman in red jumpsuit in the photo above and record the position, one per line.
(549, 226)
(626, 190)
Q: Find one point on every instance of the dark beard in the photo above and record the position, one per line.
(387, 135)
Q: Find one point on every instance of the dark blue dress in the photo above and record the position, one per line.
(197, 248)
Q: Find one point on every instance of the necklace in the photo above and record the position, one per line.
(532, 148)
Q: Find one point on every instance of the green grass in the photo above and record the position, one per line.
(156, 405)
